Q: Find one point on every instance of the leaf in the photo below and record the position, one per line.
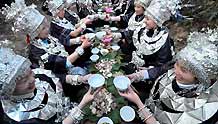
(92, 68)
(115, 116)
(120, 100)
(109, 82)
(89, 115)
(111, 89)
(116, 67)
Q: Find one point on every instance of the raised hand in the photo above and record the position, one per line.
(136, 77)
(130, 95)
(87, 21)
(85, 42)
(84, 79)
(88, 97)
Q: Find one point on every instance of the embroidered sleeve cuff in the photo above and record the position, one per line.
(75, 41)
(141, 112)
(80, 50)
(76, 114)
(73, 80)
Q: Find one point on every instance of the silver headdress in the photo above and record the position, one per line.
(26, 18)
(162, 10)
(200, 56)
(143, 3)
(55, 5)
(68, 3)
(85, 2)
(12, 66)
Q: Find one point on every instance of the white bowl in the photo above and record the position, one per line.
(99, 10)
(102, 16)
(127, 113)
(105, 120)
(95, 50)
(106, 26)
(96, 81)
(94, 58)
(100, 34)
(104, 51)
(115, 48)
(90, 36)
(96, 16)
(121, 83)
(92, 17)
(114, 29)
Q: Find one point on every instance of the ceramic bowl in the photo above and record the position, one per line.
(121, 83)
(100, 34)
(96, 81)
(105, 120)
(127, 113)
(94, 58)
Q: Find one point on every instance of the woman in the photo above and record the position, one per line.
(133, 20)
(186, 93)
(62, 28)
(34, 101)
(149, 45)
(67, 27)
(123, 7)
(45, 51)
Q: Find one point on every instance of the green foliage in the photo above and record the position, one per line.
(204, 12)
(114, 114)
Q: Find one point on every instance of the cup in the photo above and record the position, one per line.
(104, 52)
(127, 113)
(91, 17)
(106, 26)
(115, 47)
(99, 10)
(114, 29)
(102, 16)
(121, 83)
(96, 81)
(100, 34)
(90, 36)
(95, 51)
(105, 120)
(94, 58)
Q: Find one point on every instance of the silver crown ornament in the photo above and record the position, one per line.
(26, 18)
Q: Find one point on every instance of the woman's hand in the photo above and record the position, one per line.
(109, 34)
(131, 96)
(85, 42)
(88, 97)
(84, 79)
(138, 76)
(87, 21)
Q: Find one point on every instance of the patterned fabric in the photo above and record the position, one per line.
(12, 67)
(181, 109)
(133, 24)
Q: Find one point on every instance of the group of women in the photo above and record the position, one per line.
(41, 88)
